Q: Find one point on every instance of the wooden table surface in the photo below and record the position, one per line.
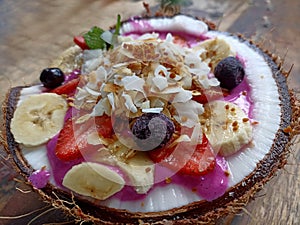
(32, 33)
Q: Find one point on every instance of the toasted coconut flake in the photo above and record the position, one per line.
(161, 70)
(188, 113)
(152, 110)
(103, 106)
(156, 102)
(94, 139)
(182, 138)
(196, 137)
(83, 119)
(160, 82)
(92, 92)
(111, 99)
(133, 83)
(129, 103)
(171, 89)
(96, 77)
(81, 94)
(109, 87)
(138, 98)
(145, 105)
(124, 71)
(140, 50)
(208, 82)
(183, 96)
(118, 80)
(201, 69)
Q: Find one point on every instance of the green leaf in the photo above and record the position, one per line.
(118, 26)
(117, 31)
(93, 38)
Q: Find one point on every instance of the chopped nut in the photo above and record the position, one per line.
(235, 124)
(184, 119)
(71, 104)
(227, 173)
(235, 128)
(148, 169)
(168, 180)
(245, 120)
(172, 75)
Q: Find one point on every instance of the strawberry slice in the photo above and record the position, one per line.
(79, 40)
(104, 126)
(68, 88)
(73, 138)
(69, 145)
(210, 95)
(186, 158)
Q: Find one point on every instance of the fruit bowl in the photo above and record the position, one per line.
(40, 167)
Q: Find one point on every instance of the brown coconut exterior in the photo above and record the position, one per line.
(201, 212)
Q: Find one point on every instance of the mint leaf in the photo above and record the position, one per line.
(93, 38)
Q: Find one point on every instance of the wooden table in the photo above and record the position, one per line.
(32, 33)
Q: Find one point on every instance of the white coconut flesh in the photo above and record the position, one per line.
(266, 110)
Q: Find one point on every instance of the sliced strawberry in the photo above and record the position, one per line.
(72, 141)
(68, 88)
(210, 95)
(186, 158)
(79, 40)
(104, 126)
(67, 148)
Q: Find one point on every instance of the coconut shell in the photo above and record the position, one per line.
(203, 212)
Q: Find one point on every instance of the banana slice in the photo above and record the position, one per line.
(140, 171)
(38, 118)
(215, 50)
(93, 180)
(226, 126)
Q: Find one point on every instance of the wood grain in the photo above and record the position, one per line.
(32, 33)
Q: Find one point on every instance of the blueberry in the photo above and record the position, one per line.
(230, 72)
(152, 131)
(52, 77)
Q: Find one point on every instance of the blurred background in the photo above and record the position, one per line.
(33, 33)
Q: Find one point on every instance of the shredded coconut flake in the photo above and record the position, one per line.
(152, 110)
(129, 103)
(134, 83)
(103, 106)
(160, 82)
